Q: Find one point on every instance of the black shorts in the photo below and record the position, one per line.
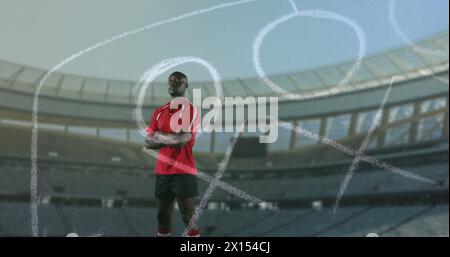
(179, 186)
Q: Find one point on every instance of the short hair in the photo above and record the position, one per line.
(180, 74)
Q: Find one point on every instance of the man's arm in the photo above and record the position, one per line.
(173, 139)
(153, 143)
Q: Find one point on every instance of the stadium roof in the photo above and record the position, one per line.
(375, 71)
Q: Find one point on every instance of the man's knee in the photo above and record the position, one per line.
(164, 214)
(186, 210)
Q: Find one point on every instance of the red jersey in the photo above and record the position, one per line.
(172, 160)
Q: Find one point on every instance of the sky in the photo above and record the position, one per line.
(43, 33)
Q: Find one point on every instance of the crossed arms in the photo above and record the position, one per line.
(159, 139)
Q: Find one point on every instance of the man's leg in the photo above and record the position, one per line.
(187, 209)
(164, 213)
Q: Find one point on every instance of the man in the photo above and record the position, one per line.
(176, 178)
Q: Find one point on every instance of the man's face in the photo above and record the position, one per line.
(177, 86)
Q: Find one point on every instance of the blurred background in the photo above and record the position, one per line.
(93, 178)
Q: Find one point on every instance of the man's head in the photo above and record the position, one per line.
(178, 84)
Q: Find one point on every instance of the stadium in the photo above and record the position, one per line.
(93, 178)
